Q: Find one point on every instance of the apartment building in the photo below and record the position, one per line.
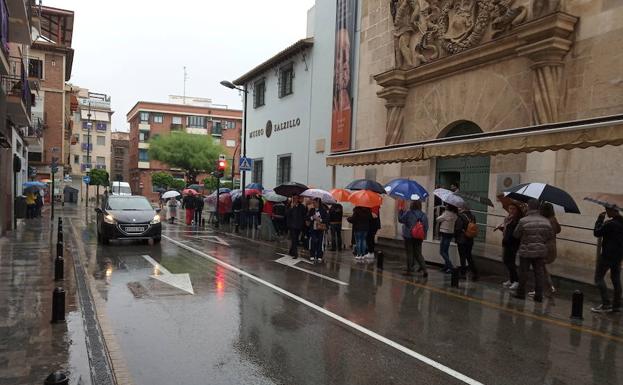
(148, 119)
(16, 100)
(90, 142)
(120, 156)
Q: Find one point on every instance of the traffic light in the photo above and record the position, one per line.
(221, 165)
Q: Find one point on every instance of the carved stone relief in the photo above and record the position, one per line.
(426, 30)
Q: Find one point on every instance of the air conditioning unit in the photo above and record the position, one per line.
(506, 181)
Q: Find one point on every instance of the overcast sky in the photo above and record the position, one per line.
(136, 49)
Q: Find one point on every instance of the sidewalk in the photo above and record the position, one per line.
(31, 347)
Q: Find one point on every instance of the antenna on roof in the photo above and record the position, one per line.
(185, 78)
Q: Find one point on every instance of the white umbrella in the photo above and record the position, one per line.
(324, 196)
(170, 194)
(272, 196)
(449, 197)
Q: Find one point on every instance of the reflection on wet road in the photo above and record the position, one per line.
(254, 321)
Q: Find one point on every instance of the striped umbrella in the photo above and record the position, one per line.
(545, 193)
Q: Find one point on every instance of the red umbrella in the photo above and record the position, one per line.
(252, 191)
(365, 198)
(189, 191)
(340, 194)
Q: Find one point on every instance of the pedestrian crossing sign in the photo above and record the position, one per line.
(246, 164)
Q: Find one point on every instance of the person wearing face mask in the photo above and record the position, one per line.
(319, 219)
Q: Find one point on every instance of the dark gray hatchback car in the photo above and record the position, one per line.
(127, 217)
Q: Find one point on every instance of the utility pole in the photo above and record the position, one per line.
(185, 78)
(88, 169)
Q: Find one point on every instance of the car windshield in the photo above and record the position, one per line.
(118, 203)
(121, 190)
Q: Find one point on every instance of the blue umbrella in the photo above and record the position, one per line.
(406, 189)
(255, 186)
(34, 184)
(366, 184)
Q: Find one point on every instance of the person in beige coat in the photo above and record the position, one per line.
(446, 223)
(534, 231)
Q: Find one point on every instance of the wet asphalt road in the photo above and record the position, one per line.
(239, 329)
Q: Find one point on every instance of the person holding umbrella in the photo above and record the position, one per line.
(465, 230)
(31, 204)
(510, 244)
(446, 222)
(188, 203)
(172, 205)
(198, 209)
(335, 221)
(361, 220)
(318, 218)
(295, 220)
(611, 232)
(414, 238)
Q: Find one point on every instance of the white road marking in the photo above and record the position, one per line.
(291, 262)
(370, 333)
(298, 259)
(180, 281)
(214, 239)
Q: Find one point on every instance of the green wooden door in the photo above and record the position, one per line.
(473, 177)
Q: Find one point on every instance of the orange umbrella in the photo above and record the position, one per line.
(340, 194)
(365, 198)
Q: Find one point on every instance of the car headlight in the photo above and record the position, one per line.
(110, 219)
(156, 220)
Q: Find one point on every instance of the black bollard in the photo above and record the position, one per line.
(454, 278)
(59, 265)
(57, 378)
(60, 220)
(59, 248)
(379, 259)
(58, 305)
(60, 236)
(577, 305)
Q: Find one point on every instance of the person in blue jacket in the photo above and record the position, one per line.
(409, 218)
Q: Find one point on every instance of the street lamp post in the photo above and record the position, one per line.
(231, 85)
(87, 169)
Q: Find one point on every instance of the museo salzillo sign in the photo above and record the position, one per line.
(271, 128)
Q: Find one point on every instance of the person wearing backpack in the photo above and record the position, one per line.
(465, 230)
(414, 229)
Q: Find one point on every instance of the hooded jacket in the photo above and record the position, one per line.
(533, 232)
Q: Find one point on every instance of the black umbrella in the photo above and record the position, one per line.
(289, 189)
(545, 193)
(366, 184)
(160, 190)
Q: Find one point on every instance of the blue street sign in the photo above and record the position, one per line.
(86, 179)
(246, 164)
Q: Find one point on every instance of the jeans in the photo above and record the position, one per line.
(336, 236)
(317, 236)
(414, 253)
(360, 243)
(465, 254)
(198, 215)
(538, 265)
(509, 257)
(294, 242)
(444, 249)
(601, 269)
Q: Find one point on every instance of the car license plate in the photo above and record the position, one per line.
(134, 229)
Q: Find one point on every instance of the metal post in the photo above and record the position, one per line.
(244, 146)
(56, 378)
(88, 152)
(59, 248)
(59, 267)
(380, 257)
(15, 200)
(52, 198)
(58, 305)
(218, 188)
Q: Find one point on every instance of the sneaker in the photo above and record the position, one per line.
(312, 259)
(552, 290)
(514, 286)
(318, 259)
(507, 283)
(531, 293)
(602, 309)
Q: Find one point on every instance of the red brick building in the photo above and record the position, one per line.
(148, 119)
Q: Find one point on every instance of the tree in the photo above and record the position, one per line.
(192, 153)
(162, 179)
(177, 184)
(99, 178)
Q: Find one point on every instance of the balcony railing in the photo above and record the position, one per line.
(87, 146)
(100, 166)
(85, 166)
(16, 86)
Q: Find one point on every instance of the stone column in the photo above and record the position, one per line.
(395, 98)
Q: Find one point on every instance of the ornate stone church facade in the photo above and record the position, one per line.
(492, 93)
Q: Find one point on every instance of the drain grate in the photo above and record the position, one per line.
(101, 372)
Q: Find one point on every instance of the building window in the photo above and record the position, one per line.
(196, 122)
(76, 159)
(119, 151)
(86, 159)
(144, 117)
(176, 120)
(283, 169)
(34, 156)
(143, 136)
(85, 138)
(101, 140)
(259, 91)
(35, 68)
(230, 124)
(217, 141)
(100, 160)
(230, 143)
(258, 171)
(286, 76)
(87, 125)
(143, 155)
(217, 128)
(158, 118)
(101, 126)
